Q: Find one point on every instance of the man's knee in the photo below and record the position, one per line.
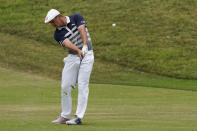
(67, 88)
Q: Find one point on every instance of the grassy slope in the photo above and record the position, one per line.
(152, 36)
(45, 60)
(29, 103)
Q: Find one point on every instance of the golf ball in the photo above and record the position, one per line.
(113, 24)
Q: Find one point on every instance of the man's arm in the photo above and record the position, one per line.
(83, 33)
(68, 44)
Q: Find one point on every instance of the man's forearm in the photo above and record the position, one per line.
(83, 34)
(68, 44)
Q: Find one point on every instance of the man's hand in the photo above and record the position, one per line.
(80, 54)
(85, 49)
(68, 44)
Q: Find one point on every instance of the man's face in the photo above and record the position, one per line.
(56, 22)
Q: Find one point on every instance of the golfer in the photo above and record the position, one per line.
(72, 33)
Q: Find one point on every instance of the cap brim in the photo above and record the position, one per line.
(46, 22)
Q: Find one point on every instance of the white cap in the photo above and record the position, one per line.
(52, 13)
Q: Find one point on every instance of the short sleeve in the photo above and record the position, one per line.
(79, 20)
(59, 38)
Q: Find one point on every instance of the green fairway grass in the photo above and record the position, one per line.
(29, 103)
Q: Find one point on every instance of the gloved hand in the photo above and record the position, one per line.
(85, 49)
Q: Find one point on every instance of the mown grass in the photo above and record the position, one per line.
(153, 36)
(30, 102)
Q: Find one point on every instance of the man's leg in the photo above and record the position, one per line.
(83, 83)
(69, 77)
(83, 90)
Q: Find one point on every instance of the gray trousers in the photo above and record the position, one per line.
(76, 70)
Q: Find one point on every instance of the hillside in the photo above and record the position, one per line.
(151, 36)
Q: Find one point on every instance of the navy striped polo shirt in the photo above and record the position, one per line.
(71, 32)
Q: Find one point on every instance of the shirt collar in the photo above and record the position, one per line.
(67, 21)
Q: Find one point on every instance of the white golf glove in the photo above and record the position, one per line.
(85, 49)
